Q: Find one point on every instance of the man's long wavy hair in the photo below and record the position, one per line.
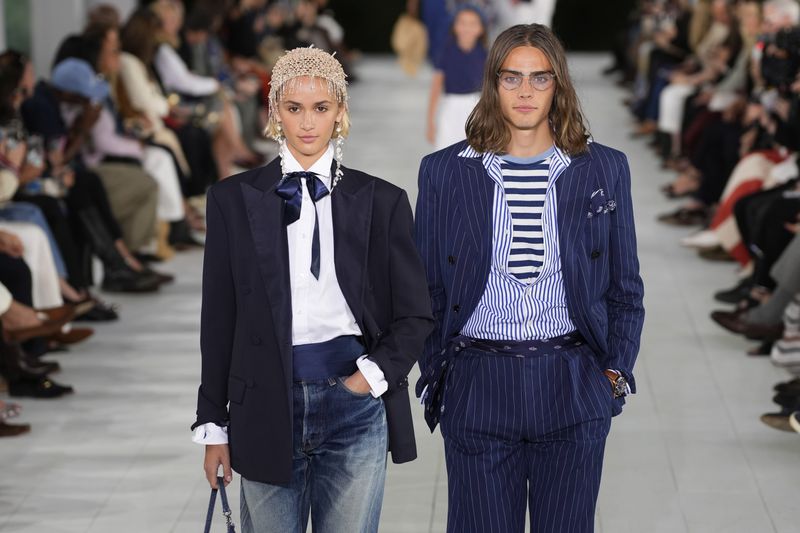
(487, 128)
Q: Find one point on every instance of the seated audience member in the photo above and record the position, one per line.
(201, 94)
(145, 106)
(116, 158)
(734, 139)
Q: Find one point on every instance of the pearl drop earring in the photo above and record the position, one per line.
(338, 155)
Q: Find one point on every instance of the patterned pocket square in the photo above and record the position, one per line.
(599, 205)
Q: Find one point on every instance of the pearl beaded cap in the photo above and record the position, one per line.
(311, 62)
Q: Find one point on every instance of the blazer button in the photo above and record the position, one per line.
(256, 340)
(402, 383)
(456, 308)
(595, 254)
(451, 259)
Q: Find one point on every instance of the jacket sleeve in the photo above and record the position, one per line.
(217, 320)
(427, 220)
(399, 347)
(176, 76)
(626, 290)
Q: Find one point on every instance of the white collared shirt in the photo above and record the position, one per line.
(319, 310)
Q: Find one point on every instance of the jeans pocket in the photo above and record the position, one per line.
(340, 382)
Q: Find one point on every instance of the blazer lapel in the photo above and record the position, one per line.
(476, 190)
(574, 188)
(265, 214)
(352, 219)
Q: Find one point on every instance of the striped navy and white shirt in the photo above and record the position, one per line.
(525, 296)
(525, 187)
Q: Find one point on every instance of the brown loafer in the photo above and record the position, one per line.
(45, 329)
(12, 430)
(779, 421)
(64, 313)
(684, 217)
(73, 336)
(717, 253)
(734, 322)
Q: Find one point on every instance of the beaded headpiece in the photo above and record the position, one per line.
(311, 62)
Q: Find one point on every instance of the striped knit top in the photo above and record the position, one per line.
(525, 297)
(525, 185)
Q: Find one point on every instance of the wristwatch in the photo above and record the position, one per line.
(619, 385)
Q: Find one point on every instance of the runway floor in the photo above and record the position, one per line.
(688, 455)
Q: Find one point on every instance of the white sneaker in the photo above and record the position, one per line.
(702, 239)
(794, 421)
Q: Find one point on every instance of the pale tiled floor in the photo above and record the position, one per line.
(688, 454)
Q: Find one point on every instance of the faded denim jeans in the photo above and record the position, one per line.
(340, 447)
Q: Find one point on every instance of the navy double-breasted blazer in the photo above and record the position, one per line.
(246, 318)
(454, 229)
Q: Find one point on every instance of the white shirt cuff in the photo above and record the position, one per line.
(374, 376)
(210, 434)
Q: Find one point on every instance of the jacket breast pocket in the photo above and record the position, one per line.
(236, 389)
(597, 231)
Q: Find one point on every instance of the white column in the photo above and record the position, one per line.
(3, 44)
(125, 7)
(51, 22)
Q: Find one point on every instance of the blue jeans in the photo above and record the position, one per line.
(339, 466)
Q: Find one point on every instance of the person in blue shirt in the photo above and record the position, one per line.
(457, 81)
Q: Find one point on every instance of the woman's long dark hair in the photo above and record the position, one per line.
(487, 130)
(139, 36)
(12, 69)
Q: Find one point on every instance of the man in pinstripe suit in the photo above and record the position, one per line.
(527, 234)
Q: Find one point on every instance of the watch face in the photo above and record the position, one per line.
(620, 387)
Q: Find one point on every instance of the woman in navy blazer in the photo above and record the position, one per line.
(527, 235)
(314, 311)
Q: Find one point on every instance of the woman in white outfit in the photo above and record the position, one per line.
(39, 258)
(456, 84)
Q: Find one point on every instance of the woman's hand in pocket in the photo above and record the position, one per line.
(357, 383)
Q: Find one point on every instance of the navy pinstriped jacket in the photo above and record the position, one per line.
(598, 250)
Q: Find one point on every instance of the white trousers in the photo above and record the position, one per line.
(39, 258)
(534, 12)
(159, 165)
(454, 110)
(671, 104)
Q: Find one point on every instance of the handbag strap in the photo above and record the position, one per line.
(226, 509)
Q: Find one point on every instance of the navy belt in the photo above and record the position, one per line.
(334, 358)
(436, 372)
(531, 348)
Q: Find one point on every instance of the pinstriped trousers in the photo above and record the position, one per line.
(525, 432)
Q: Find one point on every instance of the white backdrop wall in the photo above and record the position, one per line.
(52, 20)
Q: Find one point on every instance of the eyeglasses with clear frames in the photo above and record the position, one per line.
(511, 80)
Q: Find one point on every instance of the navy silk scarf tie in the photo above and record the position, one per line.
(291, 190)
